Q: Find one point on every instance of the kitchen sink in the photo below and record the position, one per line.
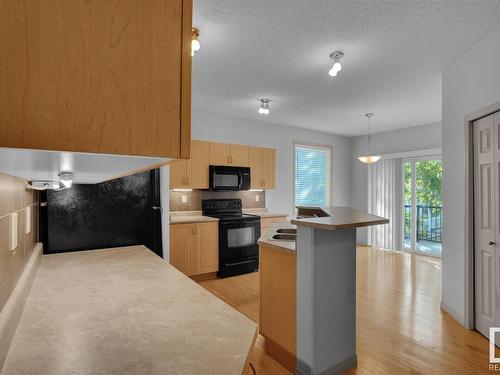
(284, 237)
(287, 230)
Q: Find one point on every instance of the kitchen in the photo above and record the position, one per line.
(186, 187)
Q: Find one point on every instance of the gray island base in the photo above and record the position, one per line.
(326, 289)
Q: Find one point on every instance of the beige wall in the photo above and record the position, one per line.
(15, 198)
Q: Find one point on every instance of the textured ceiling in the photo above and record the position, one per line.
(394, 53)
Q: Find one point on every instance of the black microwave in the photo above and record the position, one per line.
(229, 178)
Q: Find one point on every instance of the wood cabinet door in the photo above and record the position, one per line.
(254, 161)
(220, 154)
(182, 247)
(178, 174)
(207, 248)
(278, 304)
(96, 76)
(239, 155)
(199, 162)
(268, 165)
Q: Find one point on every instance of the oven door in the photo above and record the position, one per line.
(238, 240)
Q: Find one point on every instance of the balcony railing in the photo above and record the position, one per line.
(429, 223)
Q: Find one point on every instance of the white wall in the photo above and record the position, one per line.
(214, 127)
(470, 83)
(414, 138)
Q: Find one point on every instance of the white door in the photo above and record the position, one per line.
(486, 222)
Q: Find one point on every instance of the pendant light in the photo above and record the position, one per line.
(369, 158)
(195, 43)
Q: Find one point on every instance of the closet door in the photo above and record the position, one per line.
(485, 223)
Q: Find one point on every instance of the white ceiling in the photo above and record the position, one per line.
(279, 49)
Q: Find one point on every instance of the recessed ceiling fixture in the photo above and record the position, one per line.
(369, 158)
(264, 106)
(337, 66)
(195, 43)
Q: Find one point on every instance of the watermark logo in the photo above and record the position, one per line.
(494, 360)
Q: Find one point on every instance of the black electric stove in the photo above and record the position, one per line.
(238, 235)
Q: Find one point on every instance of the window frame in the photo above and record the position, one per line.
(330, 167)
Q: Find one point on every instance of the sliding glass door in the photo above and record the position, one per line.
(422, 205)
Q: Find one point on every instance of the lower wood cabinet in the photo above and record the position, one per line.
(278, 304)
(194, 248)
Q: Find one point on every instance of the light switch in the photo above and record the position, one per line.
(27, 220)
(13, 231)
(257, 197)
(184, 198)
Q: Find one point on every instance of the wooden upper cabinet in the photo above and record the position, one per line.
(179, 172)
(262, 163)
(191, 173)
(199, 162)
(228, 154)
(254, 159)
(96, 76)
(239, 155)
(269, 168)
(220, 153)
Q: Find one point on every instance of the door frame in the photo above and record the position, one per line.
(413, 160)
(468, 319)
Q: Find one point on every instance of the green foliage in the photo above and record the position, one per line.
(429, 176)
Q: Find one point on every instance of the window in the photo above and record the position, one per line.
(312, 174)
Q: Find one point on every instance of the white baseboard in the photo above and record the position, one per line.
(458, 317)
(12, 310)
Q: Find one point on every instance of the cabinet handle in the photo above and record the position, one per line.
(192, 230)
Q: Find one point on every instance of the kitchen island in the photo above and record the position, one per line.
(125, 311)
(312, 330)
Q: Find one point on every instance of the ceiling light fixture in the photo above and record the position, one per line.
(264, 106)
(66, 179)
(195, 43)
(369, 158)
(337, 66)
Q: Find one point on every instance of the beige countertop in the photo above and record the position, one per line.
(341, 218)
(263, 212)
(266, 239)
(124, 311)
(186, 217)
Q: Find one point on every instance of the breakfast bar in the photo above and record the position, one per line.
(321, 262)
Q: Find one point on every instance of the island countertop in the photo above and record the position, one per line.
(340, 218)
(124, 311)
(267, 240)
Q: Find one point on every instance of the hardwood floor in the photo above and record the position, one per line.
(400, 327)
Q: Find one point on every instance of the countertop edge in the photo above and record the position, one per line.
(327, 226)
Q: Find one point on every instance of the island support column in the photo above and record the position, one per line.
(326, 300)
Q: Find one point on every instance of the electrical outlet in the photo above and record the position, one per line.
(257, 197)
(13, 231)
(184, 199)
